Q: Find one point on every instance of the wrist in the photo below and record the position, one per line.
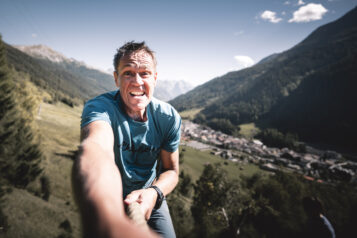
(159, 196)
(154, 193)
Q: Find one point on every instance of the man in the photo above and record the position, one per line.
(317, 224)
(123, 134)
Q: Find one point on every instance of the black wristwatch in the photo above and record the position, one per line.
(160, 197)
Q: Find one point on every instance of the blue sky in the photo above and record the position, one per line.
(194, 40)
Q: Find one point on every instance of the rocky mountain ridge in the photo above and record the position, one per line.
(44, 52)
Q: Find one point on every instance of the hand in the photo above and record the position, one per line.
(145, 197)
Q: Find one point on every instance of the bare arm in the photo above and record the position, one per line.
(97, 185)
(166, 183)
(168, 179)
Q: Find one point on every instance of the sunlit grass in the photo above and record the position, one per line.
(248, 130)
(190, 114)
(59, 126)
(194, 161)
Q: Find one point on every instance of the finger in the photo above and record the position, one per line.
(140, 199)
(132, 197)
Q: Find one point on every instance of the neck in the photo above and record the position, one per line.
(137, 116)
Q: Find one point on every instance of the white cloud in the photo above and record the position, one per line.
(270, 16)
(283, 13)
(310, 12)
(286, 3)
(243, 61)
(300, 2)
(34, 35)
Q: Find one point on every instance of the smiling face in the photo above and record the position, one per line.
(136, 77)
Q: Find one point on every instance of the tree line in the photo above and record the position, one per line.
(20, 152)
(256, 205)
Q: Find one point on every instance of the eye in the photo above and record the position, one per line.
(145, 74)
(128, 73)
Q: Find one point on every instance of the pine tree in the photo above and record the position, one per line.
(20, 153)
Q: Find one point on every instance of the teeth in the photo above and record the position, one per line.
(137, 93)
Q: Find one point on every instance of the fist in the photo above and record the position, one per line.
(146, 199)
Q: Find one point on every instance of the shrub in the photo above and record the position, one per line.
(274, 138)
(45, 187)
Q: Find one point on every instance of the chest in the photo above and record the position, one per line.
(137, 144)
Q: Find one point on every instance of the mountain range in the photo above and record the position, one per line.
(62, 77)
(169, 89)
(69, 78)
(308, 90)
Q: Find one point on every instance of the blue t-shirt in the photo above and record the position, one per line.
(137, 145)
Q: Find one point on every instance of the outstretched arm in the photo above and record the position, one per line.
(97, 186)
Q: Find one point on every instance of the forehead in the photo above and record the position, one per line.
(137, 59)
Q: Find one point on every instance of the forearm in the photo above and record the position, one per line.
(167, 181)
(98, 188)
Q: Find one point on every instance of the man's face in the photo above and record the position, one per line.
(136, 78)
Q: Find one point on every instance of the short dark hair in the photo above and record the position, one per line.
(312, 205)
(129, 48)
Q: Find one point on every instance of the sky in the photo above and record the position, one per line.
(194, 41)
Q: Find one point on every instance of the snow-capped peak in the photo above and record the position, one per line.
(42, 51)
(45, 52)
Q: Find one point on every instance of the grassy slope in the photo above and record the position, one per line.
(248, 130)
(30, 216)
(190, 114)
(194, 161)
(59, 126)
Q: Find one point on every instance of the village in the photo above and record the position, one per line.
(322, 166)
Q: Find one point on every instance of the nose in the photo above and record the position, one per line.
(137, 79)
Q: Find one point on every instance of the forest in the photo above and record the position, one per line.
(257, 205)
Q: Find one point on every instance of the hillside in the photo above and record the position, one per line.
(308, 89)
(61, 77)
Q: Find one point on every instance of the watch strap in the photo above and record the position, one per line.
(160, 197)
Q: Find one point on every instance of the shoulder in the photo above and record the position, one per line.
(105, 102)
(105, 98)
(167, 119)
(101, 107)
(163, 109)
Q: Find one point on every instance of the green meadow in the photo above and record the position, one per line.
(194, 161)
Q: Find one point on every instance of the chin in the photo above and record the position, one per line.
(139, 107)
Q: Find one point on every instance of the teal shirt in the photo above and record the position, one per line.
(137, 145)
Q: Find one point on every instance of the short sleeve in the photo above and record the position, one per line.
(172, 140)
(95, 110)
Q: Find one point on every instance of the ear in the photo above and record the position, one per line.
(116, 78)
(155, 77)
